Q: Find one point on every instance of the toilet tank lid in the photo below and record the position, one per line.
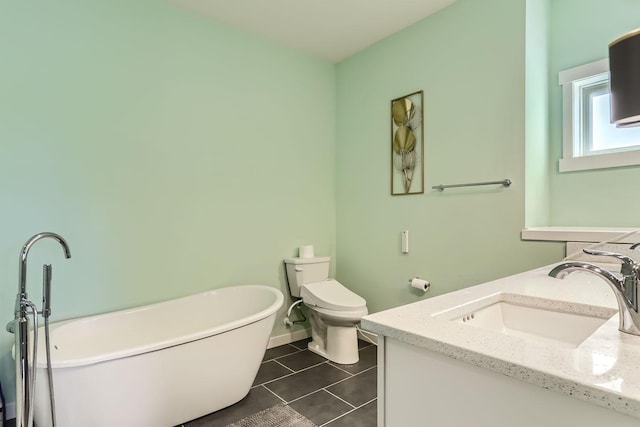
(314, 260)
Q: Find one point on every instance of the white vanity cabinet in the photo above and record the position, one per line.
(418, 387)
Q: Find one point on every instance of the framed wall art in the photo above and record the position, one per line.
(407, 145)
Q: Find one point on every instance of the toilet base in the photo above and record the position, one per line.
(340, 346)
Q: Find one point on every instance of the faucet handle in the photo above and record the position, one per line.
(629, 265)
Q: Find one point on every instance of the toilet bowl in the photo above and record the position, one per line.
(334, 310)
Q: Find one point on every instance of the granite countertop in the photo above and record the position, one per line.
(603, 370)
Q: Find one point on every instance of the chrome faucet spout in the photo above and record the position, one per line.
(25, 252)
(625, 288)
(563, 270)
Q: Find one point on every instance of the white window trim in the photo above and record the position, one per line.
(568, 163)
(581, 234)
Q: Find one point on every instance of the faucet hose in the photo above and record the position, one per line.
(49, 371)
(287, 320)
(34, 361)
(46, 312)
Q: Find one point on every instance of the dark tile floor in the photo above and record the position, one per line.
(326, 393)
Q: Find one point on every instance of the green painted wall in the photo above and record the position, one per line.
(174, 154)
(581, 31)
(470, 61)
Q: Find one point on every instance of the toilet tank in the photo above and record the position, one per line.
(306, 270)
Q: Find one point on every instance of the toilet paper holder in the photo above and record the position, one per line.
(420, 284)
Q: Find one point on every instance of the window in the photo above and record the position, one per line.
(590, 140)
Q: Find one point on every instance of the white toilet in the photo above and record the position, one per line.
(334, 311)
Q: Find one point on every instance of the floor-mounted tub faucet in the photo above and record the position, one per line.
(25, 374)
(625, 288)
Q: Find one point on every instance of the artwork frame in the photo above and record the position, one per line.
(407, 144)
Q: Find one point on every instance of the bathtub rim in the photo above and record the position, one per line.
(261, 315)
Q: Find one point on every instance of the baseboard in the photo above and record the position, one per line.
(289, 338)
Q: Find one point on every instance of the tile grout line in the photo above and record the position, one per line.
(292, 345)
(270, 391)
(298, 350)
(343, 370)
(366, 403)
(275, 379)
(348, 412)
(354, 373)
(304, 395)
(284, 355)
(284, 366)
(366, 370)
(339, 416)
(321, 388)
(292, 373)
(351, 375)
(339, 398)
(311, 366)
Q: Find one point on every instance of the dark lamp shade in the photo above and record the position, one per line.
(624, 66)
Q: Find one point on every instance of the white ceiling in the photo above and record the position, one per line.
(327, 29)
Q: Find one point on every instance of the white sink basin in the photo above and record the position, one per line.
(558, 322)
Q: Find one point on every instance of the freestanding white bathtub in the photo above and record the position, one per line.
(157, 365)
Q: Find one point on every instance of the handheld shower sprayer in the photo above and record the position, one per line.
(46, 290)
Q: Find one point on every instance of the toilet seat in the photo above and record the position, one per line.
(331, 295)
(341, 316)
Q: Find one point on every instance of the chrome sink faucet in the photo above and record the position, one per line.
(625, 288)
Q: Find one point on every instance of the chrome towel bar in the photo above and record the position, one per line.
(505, 182)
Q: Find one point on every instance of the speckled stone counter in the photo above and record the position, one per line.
(603, 370)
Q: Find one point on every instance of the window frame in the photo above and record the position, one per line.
(573, 129)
